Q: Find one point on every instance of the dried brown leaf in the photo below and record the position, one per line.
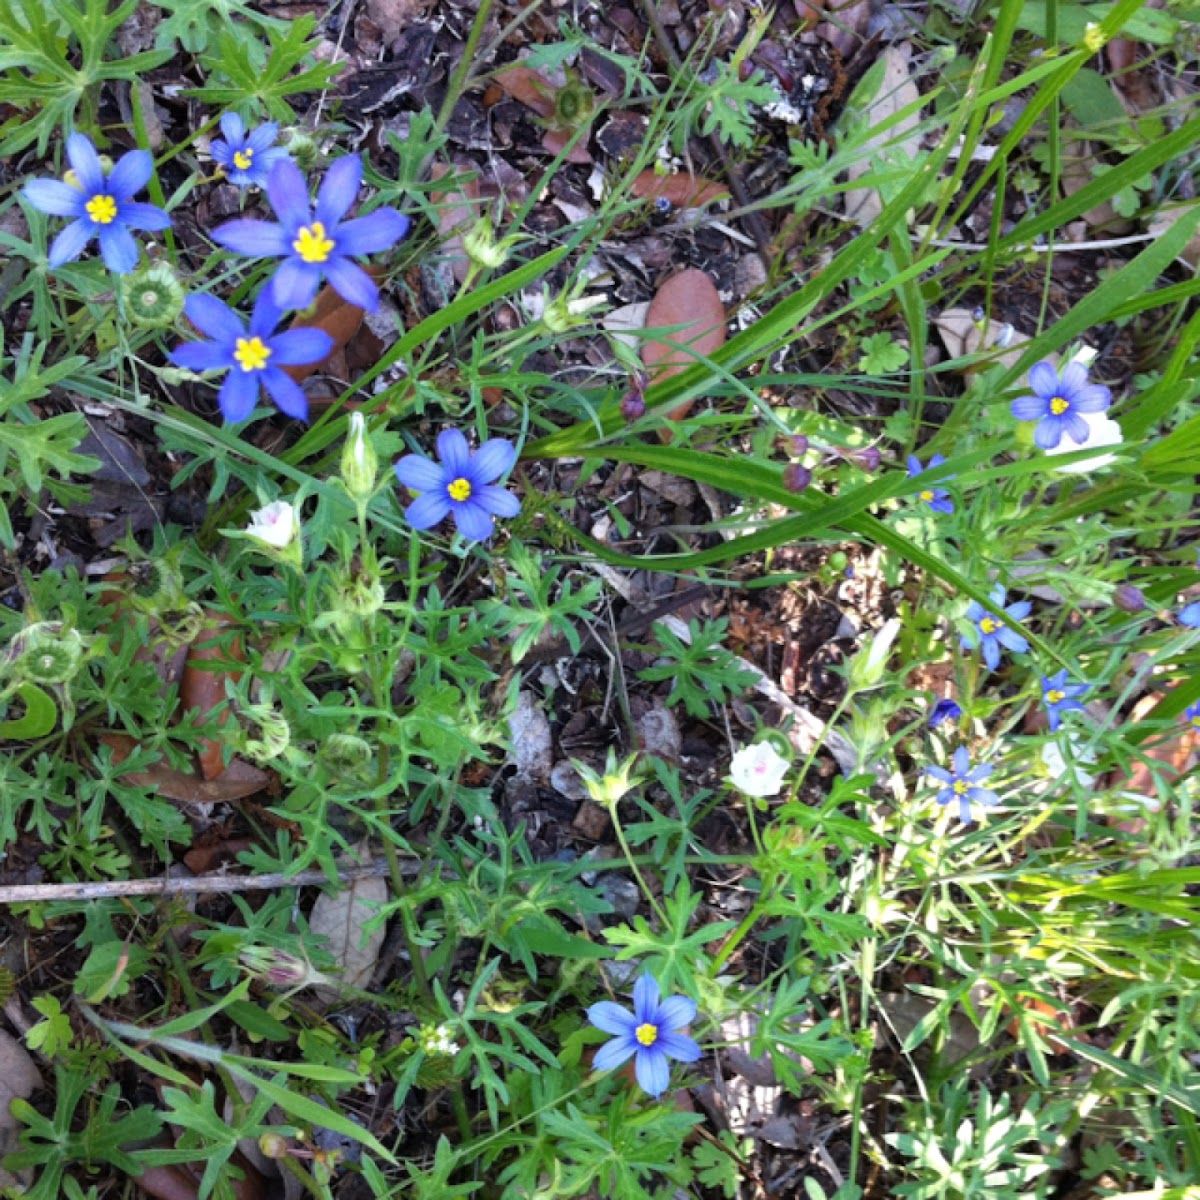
(684, 191)
(690, 300)
(341, 919)
(203, 687)
(237, 781)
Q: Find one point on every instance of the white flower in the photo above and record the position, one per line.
(1057, 765)
(277, 525)
(758, 770)
(1102, 431)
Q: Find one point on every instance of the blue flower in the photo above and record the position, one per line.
(1059, 697)
(316, 244)
(937, 498)
(1057, 401)
(460, 485)
(101, 205)
(1189, 615)
(252, 356)
(962, 784)
(991, 632)
(1192, 716)
(944, 710)
(651, 1032)
(246, 159)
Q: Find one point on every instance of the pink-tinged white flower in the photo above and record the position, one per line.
(277, 525)
(758, 770)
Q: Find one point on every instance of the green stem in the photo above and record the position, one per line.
(462, 72)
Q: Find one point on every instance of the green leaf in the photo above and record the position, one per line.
(38, 719)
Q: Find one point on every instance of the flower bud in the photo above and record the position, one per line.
(573, 105)
(271, 734)
(482, 247)
(796, 477)
(302, 146)
(868, 665)
(868, 458)
(633, 405)
(798, 445)
(346, 756)
(46, 653)
(153, 296)
(1129, 598)
(360, 465)
(273, 1145)
(607, 789)
(280, 969)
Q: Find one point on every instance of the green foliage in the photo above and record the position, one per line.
(702, 671)
(52, 1034)
(53, 64)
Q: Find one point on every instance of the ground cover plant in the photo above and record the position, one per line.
(599, 600)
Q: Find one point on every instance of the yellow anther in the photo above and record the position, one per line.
(243, 159)
(251, 354)
(646, 1034)
(990, 624)
(102, 209)
(460, 490)
(311, 243)
(1058, 406)
(961, 787)
(926, 495)
(1054, 696)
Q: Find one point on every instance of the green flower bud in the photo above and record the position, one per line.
(280, 969)
(482, 247)
(46, 653)
(347, 756)
(153, 296)
(574, 104)
(271, 737)
(607, 789)
(360, 465)
(302, 146)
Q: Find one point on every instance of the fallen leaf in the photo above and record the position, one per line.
(658, 733)
(1164, 218)
(529, 735)
(237, 781)
(962, 335)
(19, 1079)
(341, 918)
(456, 209)
(392, 16)
(203, 688)
(1057, 1019)
(690, 300)
(683, 191)
(532, 89)
(900, 141)
(337, 317)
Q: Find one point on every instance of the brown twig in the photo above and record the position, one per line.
(34, 892)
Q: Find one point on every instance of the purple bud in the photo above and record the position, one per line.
(868, 458)
(1129, 598)
(796, 477)
(944, 710)
(633, 405)
(799, 445)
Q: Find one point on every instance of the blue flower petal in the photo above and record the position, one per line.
(381, 230)
(1077, 428)
(288, 395)
(338, 190)
(233, 128)
(352, 283)
(1028, 408)
(1073, 377)
(474, 522)
(288, 194)
(143, 216)
(455, 454)
(85, 162)
(1020, 610)
(678, 1046)
(131, 174)
(493, 459)
(118, 249)
(962, 761)
(991, 653)
(496, 501)
(1043, 378)
(300, 347)
(201, 356)
(214, 318)
(1011, 641)
(1092, 399)
(53, 197)
(939, 773)
(914, 465)
(71, 242)
(1189, 615)
(675, 1012)
(428, 510)
(613, 1054)
(653, 1070)
(1049, 432)
(420, 474)
(255, 239)
(983, 796)
(612, 1018)
(645, 999)
(295, 283)
(263, 138)
(222, 153)
(238, 395)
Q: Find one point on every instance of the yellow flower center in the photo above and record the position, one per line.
(243, 159)
(1058, 406)
(990, 624)
(927, 495)
(1196, 721)
(102, 209)
(1054, 696)
(251, 354)
(646, 1034)
(311, 243)
(460, 490)
(961, 787)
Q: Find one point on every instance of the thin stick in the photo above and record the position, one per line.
(32, 892)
